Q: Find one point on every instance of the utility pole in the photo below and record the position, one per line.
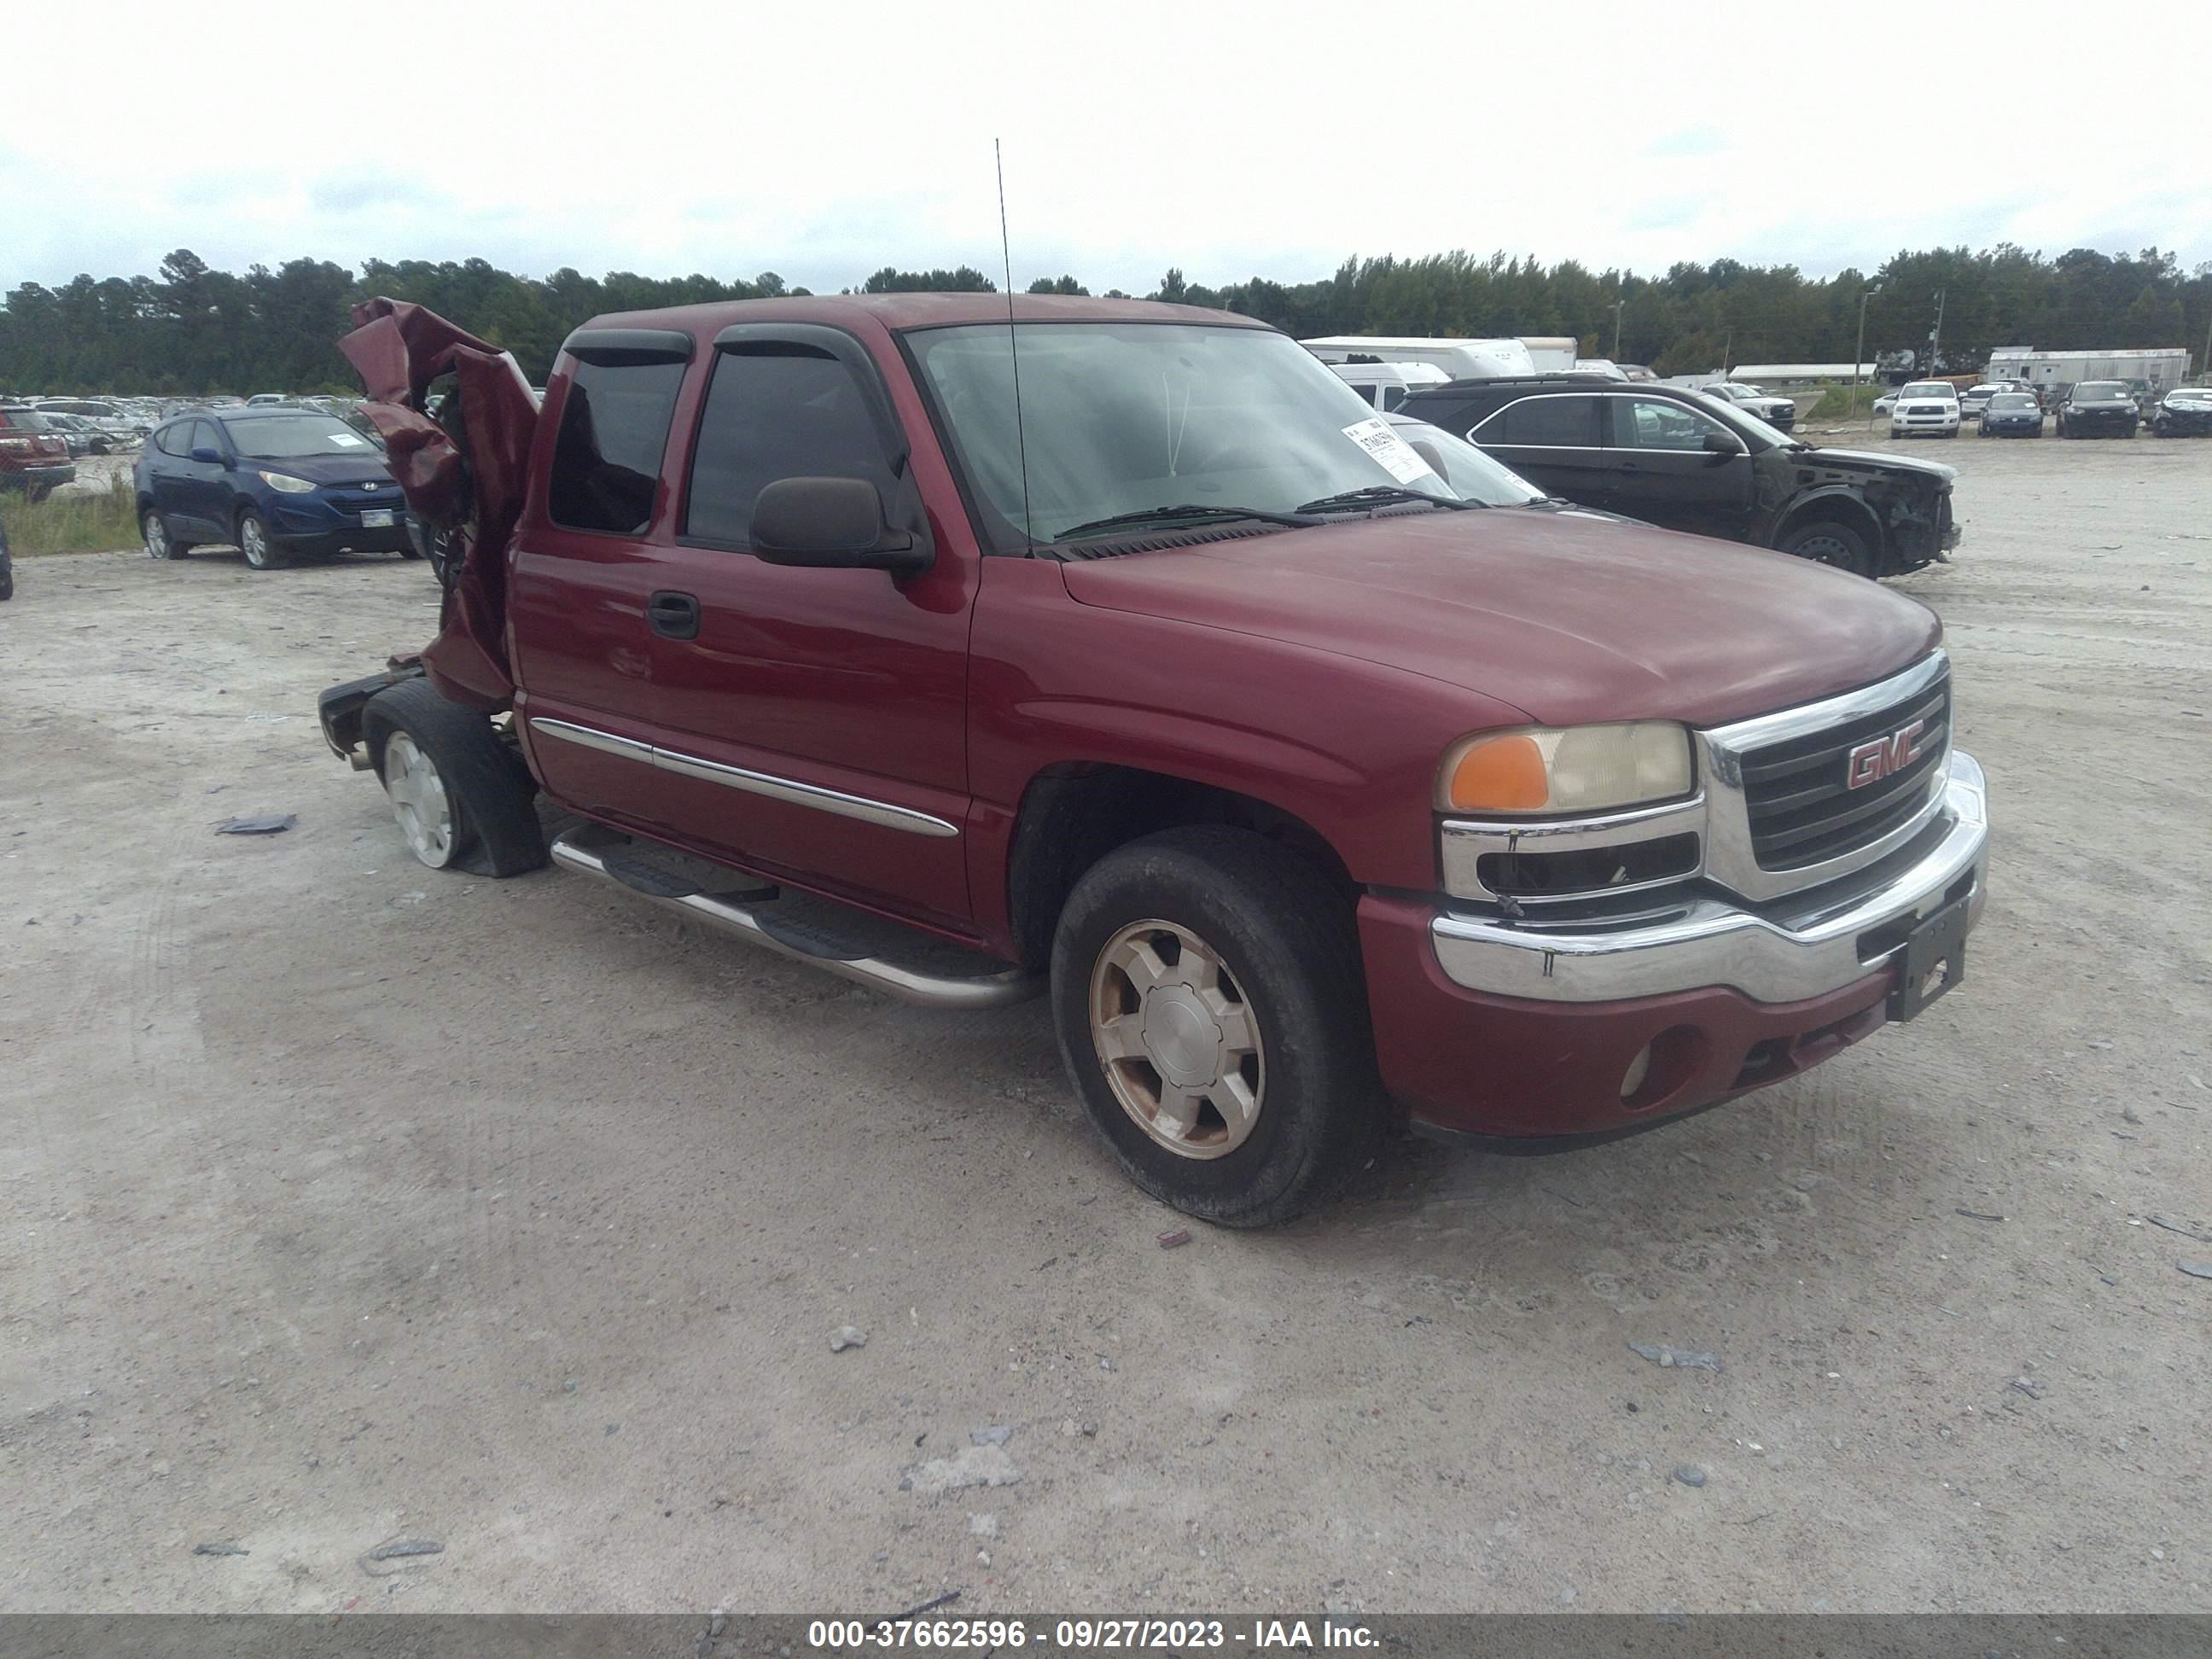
(1728, 351)
(1935, 334)
(1858, 353)
(1619, 305)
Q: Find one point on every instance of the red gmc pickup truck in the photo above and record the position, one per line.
(1319, 774)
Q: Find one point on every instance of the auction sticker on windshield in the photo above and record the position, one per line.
(1397, 456)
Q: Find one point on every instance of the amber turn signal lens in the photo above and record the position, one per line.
(1503, 774)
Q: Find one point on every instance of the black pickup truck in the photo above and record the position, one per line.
(1685, 461)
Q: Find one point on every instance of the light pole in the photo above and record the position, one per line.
(1619, 305)
(1936, 335)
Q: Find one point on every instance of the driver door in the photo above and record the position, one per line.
(1659, 469)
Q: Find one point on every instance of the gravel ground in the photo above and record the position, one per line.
(342, 1203)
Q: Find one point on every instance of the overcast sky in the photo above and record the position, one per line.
(822, 142)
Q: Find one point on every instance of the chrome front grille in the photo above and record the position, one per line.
(1782, 815)
(1799, 797)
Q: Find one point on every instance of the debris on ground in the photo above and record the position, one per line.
(1660, 1354)
(997, 1435)
(221, 1549)
(2195, 1269)
(2172, 1226)
(273, 823)
(1169, 1240)
(1689, 1474)
(406, 1546)
(971, 1466)
(847, 1336)
(1978, 1215)
(2032, 1389)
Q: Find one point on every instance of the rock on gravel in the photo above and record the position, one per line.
(847, 1336)
(997, 1435)
(971, 1466)
(1689, 1474)
(1660, 1354)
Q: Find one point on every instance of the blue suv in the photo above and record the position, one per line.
(269, 481)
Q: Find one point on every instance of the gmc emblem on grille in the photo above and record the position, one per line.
(1870, 763)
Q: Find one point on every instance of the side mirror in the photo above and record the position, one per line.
(832, 523)
(1719, 448)
(207, 457)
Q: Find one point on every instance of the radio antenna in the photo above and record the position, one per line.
(1014, 347)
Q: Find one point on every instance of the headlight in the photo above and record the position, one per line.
(285, 483)
(1581, 769)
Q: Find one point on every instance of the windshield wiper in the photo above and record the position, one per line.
(1172, 512)
(1382, 496)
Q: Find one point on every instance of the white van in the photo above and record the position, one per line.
(1385, 385)
(1460, 360)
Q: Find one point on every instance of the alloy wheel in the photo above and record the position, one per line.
(1180, 1046)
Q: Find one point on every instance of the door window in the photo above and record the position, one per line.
(175, 439)
(776, 410)
(1648, 423)
(606, 457)
(204, 437)
(1550, 422)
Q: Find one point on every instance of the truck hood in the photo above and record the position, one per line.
(1569, 619)
(1867, 461)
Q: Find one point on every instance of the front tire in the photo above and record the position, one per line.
(1207, 995)
(461, 797)
(254, 541)
(1823, 541)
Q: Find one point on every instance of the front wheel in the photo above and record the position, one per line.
(1823, 541)
(254, 541)
(1207, 995)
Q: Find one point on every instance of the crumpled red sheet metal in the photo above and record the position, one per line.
(398, 349)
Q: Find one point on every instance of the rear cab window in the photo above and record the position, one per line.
(614, 431)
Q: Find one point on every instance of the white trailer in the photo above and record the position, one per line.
(1462, 360)
(2158, 368)
(1553, 353)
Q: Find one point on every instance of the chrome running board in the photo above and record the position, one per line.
(847, 951)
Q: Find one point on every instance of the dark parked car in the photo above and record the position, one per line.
(1689, 462)
(2094, 408)
(269, 481)
(2183, 412)
(33, 458)
(2012, 415)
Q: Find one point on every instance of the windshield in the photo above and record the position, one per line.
(2190, 394)
(2012, 400)
(1748, 425)
(1118, 417)
(2093, 389)
(1930, 389)
(23, 420)
(294, 437)
(1472, 475)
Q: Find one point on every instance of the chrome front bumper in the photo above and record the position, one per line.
(1777, 954)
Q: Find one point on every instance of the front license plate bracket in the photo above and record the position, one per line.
(1933, 961)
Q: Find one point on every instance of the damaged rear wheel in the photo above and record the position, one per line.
(462, 798)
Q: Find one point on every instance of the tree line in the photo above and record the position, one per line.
(194, 329)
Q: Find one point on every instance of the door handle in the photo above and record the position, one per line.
(674, 615)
